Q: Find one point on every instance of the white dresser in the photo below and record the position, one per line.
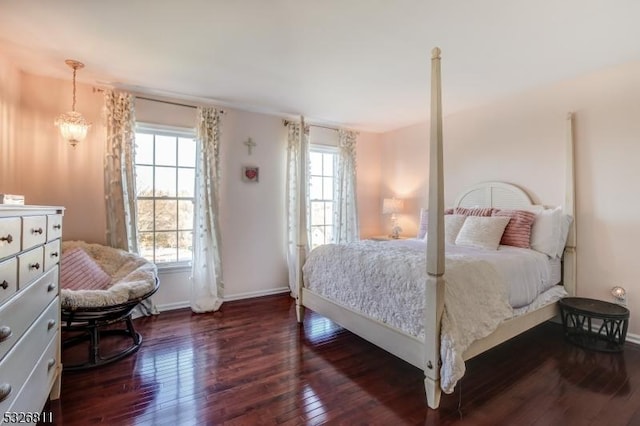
(30, 361)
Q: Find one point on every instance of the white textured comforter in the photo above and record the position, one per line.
(385, 281)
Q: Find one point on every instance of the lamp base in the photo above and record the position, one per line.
(395, 232)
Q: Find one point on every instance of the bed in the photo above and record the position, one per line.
(431, 345)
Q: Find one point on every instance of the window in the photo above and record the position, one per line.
(165, 163)
(322, 161)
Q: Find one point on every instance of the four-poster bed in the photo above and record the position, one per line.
(425, 352)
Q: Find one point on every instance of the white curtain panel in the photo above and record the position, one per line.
(119, 175)
(346, 209)
(120, 181)
(206, 280)
(297, 154)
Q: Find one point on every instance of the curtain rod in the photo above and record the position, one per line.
(170, 103)
(286, 123)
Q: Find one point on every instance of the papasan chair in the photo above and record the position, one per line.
(100, 287)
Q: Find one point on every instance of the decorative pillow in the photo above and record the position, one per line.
(78, 271)
(518, 230)
(482, 232)
(452, 225)
(565, 226)
(424, 222)
(474, 211)
(546, 231)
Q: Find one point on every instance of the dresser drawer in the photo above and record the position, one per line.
(51, 254)
(10, 236)
(31, 398)
(30, 266)
(54, 226)
(8, 278)
(18, 314)
(18, 364)
(34, 231)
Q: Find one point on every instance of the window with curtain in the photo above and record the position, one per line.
(165, 163)
(322, 169)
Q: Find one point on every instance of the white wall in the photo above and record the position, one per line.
(521, 140)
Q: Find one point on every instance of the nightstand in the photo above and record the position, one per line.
(385, 238)
(607, 333)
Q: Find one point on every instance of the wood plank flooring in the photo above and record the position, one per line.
(251, 364)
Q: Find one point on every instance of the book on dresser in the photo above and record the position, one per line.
(30, 357)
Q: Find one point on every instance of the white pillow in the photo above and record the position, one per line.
(565, 225)
(452, 225)
(546, 230)
(482, 231)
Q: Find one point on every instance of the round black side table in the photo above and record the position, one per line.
(607, 333)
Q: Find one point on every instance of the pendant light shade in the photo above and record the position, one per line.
(72, 124)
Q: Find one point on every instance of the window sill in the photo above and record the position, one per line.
(173, 268)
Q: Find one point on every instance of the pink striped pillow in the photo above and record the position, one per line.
(518, 230)
(78, 271)
(474, 211)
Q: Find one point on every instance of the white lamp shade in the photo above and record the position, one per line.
(392, 206)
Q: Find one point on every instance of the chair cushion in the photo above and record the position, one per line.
(78, 271)
(130, 276)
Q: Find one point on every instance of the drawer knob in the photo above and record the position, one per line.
(50, 324)
(51, 363)
(5, 391)
(8, 239)
(34, 265)
(36, 231)
(5, 333)
(57, 226)
(54, 254)
(4, 284)
(51, 287)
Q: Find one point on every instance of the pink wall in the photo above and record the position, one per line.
(45, 169)
(37, 163)
(520, 140)
(9, 107)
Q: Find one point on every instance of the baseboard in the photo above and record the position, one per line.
(173, 306)
(633, 338)
(250, 294)
(228, 298)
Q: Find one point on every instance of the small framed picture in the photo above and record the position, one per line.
(250, 173)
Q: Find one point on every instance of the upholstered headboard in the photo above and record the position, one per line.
(499, 195)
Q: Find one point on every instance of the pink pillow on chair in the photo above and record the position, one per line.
(78, 271)
(518, 230)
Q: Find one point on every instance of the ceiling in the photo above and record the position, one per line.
(362, 64)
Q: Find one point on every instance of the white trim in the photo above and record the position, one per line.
(173, 267)
(259, 293)
(633, 338)
(173, 306)
(238, 296)
(323, 148)
(163, 129)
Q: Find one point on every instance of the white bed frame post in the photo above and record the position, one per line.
(570, 260)
(302, 219)
(434, 290)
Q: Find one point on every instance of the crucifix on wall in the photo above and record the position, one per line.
(250, 145)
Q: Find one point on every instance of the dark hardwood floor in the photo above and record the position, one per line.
(252, 364)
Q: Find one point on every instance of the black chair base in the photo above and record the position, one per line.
(93, 334)
(91, 323)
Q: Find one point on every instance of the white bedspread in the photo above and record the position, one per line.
(385, 281)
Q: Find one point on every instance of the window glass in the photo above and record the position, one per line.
(165, 182)
(321, 193)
